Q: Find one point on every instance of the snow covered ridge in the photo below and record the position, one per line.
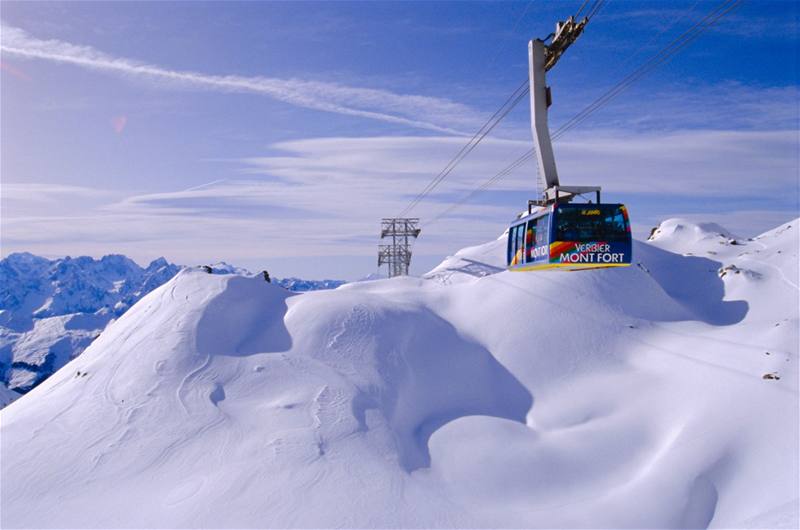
(51, 310)
(684, 236)
(292, 284)
(300, 286)
(662, 395)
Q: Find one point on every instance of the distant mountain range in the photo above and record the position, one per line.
(51, 310)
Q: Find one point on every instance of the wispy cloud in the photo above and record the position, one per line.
(682, 106)
(323, 197)
(38, 192)
(224, 199)
(736, 24)
(703, 162)
(421, 112)
(711, 163)
(23, 199)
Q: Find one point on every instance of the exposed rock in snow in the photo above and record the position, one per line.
(733, 269)
(474, 397)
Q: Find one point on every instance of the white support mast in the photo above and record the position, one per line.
(540, 100)
(542, 57)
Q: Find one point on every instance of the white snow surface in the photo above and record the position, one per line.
(686, 237)
(472, 397)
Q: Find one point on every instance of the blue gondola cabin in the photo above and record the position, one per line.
(571, 236)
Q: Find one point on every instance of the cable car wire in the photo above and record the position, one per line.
(508, 169)
(580, 9)
(514, 99)
(485, 129)
(596, 7)
(513, 32)
(666, 53)
(654, 38)
(491, 123)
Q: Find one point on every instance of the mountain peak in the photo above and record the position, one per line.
(689, 237)
(158, 263)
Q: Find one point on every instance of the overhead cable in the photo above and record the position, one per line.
(666, 53)
(580, 9)
(512, 101)
(487, 127)
(596, 7)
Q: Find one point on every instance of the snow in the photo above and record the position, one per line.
(471, 397)
(51, 310)
(226, 268)
(685, 237)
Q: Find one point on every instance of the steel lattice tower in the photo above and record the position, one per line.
(397, 255)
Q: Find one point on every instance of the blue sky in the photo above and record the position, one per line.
(278, 134)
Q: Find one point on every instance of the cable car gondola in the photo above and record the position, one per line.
(570, 236)
(559, 233)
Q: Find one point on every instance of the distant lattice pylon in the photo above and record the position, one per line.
(397, 254)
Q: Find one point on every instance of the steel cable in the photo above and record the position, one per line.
(666, 53)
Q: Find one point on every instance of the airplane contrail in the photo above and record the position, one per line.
(329, 97)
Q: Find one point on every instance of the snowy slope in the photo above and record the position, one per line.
(473, 397)
(51, 310)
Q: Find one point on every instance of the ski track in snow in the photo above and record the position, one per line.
(179, 393)
(775, 268)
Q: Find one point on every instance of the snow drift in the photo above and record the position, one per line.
(661, 395)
